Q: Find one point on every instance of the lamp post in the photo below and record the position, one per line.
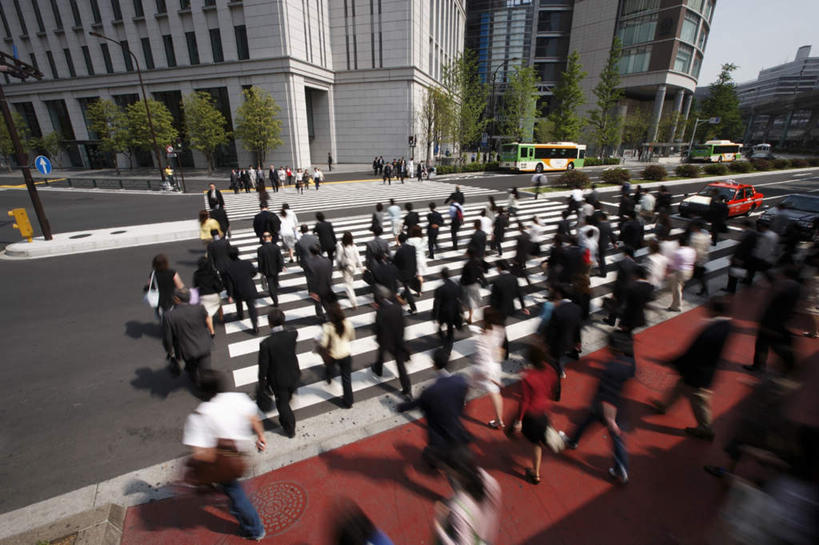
(14, 67)
(494, 99)
(127, 49)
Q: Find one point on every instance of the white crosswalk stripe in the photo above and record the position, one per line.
(334, 196)
(421, 330)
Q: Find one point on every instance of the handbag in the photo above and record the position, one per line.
(195, 298)
(324, 351)
(151, 296)
(229, 465)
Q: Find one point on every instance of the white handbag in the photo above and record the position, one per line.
(152, 295)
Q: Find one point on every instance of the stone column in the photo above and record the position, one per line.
(659, 99)
(678, 102)
(689, 98)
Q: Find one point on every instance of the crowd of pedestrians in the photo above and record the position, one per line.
(656, 262)
(254, 178)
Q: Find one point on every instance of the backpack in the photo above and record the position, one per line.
(459, 214)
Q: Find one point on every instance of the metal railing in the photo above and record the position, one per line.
(134, 184)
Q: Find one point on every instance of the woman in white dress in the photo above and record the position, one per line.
(416, 239)
(289, 229)
(486, 363)
(349, 261)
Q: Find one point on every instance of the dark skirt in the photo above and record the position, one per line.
(533, 427)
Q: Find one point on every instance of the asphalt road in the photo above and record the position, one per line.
(83, 391)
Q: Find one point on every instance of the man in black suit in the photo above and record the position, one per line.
(504, 290)
(326, 235)
(632, 232)
(456, 196)
(241, 287)
(221, 216)
(273, 174)
(266, 220)
(718, 213)
(319, 273)
(215, 198)
(637, 295)
(305, 243)
(405, 261)
(562, 333)
(626, 273)
(564, 227)
(743, 256)
(523, 250)
(603, 242)
(389, 333)
(697, 367)
(271, 263)
(411, 219)
(374, 250)
(219, 253)
(477, 242)
(443, 405)
(235, 180)
(773, 324)
(187, 334)
(385, 273)
(279, 371)
(446, 306)
(434, 222)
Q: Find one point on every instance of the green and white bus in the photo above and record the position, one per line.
(542, 157)
(715, 151)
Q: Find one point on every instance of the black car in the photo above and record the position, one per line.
(801, 209)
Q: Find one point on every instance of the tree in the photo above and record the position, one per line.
(722, 102)
(205, 125)
(467, 97)
(50, 145)
(6, 145)
(110, 124)
(257, 125)
(635, 127)
(567, 98)
(605, 121)
(520, 105)
(544, 130)
(434, 117)
(139, 132)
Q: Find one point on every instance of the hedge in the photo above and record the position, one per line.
(655, 173)
(781, 163)
(761, 164)
(616, 175)
(595, 161)
(573, 179)
(468, 167)
(799, 163)
(740, 166)
(687, 171)
(715, 169)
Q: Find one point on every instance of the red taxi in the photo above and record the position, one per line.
(742, 199)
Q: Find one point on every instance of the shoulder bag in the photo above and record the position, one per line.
(151, 297)
(229, 465)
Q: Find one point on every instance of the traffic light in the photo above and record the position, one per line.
(22, 225)
(412, 141)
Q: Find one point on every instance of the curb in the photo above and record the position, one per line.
(99, 526)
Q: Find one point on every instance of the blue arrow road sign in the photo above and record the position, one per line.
(43, 164)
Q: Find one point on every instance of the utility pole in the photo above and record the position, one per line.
(19, 69)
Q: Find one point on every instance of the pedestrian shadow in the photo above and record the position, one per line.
(137, 330)
(160, 382)
(189, 511)
(384, 469)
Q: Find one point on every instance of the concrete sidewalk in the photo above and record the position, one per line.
(669, 499)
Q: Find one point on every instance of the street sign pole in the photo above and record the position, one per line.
(22, 160)
(179, 165)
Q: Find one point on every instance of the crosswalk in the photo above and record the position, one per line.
(335, 196)
(421, 331)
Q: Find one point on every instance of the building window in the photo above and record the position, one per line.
(58, 20)
(193, 50)
(75, 12)
(161, 7)
(26, 109)
(146, 52)
(38, 16)
(635, 60)
(689, 28)
(709, 10)
(549, 71)
(554, 21)
(633, 7)
(551, 47)
(637, 30)
(138, 11)
(242, 49)
(216, 45)
(95, 12)
(34, 61)
(60, 119)
(184, 4)
(5, 22)
(210, 3)
(170, 55)
(20, 17)
(86, 55)
(695, 67)
(696, 5)
(703, 39)
(683, 61)
(117, 9)
(52, 65)
(126, 56)
(70, 63)
(106, 58)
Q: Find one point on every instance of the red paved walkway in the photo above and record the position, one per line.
(669, 500)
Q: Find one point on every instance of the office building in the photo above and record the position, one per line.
(349, 75)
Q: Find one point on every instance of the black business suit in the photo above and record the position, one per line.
(241, 287)
(319, 274)
(271, 263)
(279, 372)
(434, 222)
(446, 307)
(219, 255)
(405, 261)
(502, 298)
(477, 243)
(266, 221)
(215, 199)
(773, 325)
(327, 238)
(389, 333)
(563, 331)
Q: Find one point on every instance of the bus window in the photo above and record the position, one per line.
(542, 153)
(581, 153)
(531, 152)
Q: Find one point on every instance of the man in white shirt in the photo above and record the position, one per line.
(486, 223)
(701, 242)
(226, 417)
(765, 251)
(539, 180)
(394, 213)
(647, 202)
(682, 267)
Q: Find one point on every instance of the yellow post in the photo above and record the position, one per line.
(22, 225)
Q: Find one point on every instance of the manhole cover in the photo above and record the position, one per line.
(280, 505)
(117, 232)
(81, 235)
